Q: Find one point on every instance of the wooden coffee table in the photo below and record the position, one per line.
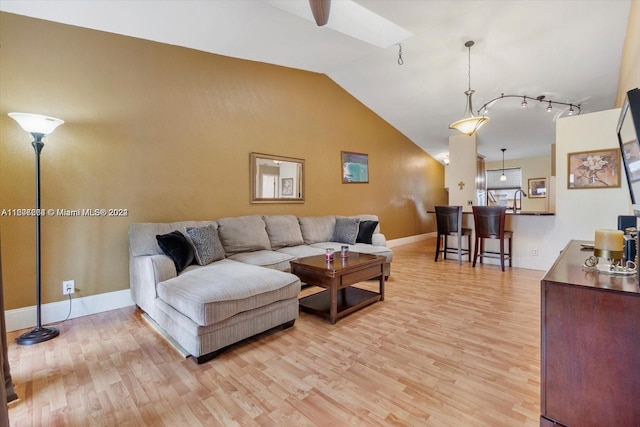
(337, 276)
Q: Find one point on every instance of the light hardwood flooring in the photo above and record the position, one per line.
(450, 346)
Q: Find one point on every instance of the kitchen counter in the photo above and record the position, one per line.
(536, 213)
(510, 212)
(528, 237)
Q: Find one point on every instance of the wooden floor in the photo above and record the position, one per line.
(449, 346)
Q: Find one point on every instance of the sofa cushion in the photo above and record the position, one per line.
(365, 231)
(317, 228)
(206, 244)
(364, 248)
(243, 234)
(269, 259)
(283, 231)
(176, 246)
(302, 251)
(222, 289)
(346, 230)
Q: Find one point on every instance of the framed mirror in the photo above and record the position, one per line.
(276, 179)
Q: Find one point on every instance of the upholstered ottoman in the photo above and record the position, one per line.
(224, 302)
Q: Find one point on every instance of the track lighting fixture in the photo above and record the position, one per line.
(524, 103)
(503, 177)
(472, 123)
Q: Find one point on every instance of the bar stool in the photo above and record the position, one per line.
(449, 220)
(489, 223)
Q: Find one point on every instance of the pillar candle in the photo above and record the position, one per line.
(610, 240)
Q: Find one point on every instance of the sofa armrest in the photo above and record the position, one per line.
(145, 272)
(163, 268)
(378, 239)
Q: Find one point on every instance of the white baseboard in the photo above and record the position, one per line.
(25, 317)
(410, 239)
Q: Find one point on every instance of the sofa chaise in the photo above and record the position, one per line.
(210, 284)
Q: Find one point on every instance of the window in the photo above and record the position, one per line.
(514, 179)
(503, 192)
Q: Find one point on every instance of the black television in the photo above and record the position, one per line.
(628, 132)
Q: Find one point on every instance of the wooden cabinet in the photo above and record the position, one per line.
(590, 350)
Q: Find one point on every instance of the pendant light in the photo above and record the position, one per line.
(471, 124)
(503, 177)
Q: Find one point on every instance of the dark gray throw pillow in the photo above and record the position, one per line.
(365, 231)
(346, 230)
(177, 247)
(206, 244)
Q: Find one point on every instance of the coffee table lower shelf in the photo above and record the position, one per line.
(350, 299)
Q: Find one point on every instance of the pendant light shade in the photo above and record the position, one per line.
(503, 177)
(471, 123)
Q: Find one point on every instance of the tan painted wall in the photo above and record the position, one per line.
(166, 133)
(630, 65)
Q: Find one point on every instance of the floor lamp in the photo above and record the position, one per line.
(38, 126)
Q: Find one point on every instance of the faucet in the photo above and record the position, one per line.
(518, 206)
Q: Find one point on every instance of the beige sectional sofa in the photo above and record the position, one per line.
(218, 282)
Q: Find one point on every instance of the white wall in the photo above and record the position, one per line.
(462, 168)
(578, 212)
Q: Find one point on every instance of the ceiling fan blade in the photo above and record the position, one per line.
(320, 10)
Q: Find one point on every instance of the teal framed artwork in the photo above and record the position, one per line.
(355, 167)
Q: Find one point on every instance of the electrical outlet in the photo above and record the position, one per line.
(534, 252)
(68, 287)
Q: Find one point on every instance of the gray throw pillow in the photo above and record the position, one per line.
(346, 230)
(206, 244)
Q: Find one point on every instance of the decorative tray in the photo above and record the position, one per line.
(606, 269)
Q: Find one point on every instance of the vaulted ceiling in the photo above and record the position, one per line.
(566, 50)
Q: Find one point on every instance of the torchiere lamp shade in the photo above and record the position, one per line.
(36, 123)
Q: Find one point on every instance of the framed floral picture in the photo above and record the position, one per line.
(594, 169)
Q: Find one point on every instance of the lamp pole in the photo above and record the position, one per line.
(38, 334)
(38, 126)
